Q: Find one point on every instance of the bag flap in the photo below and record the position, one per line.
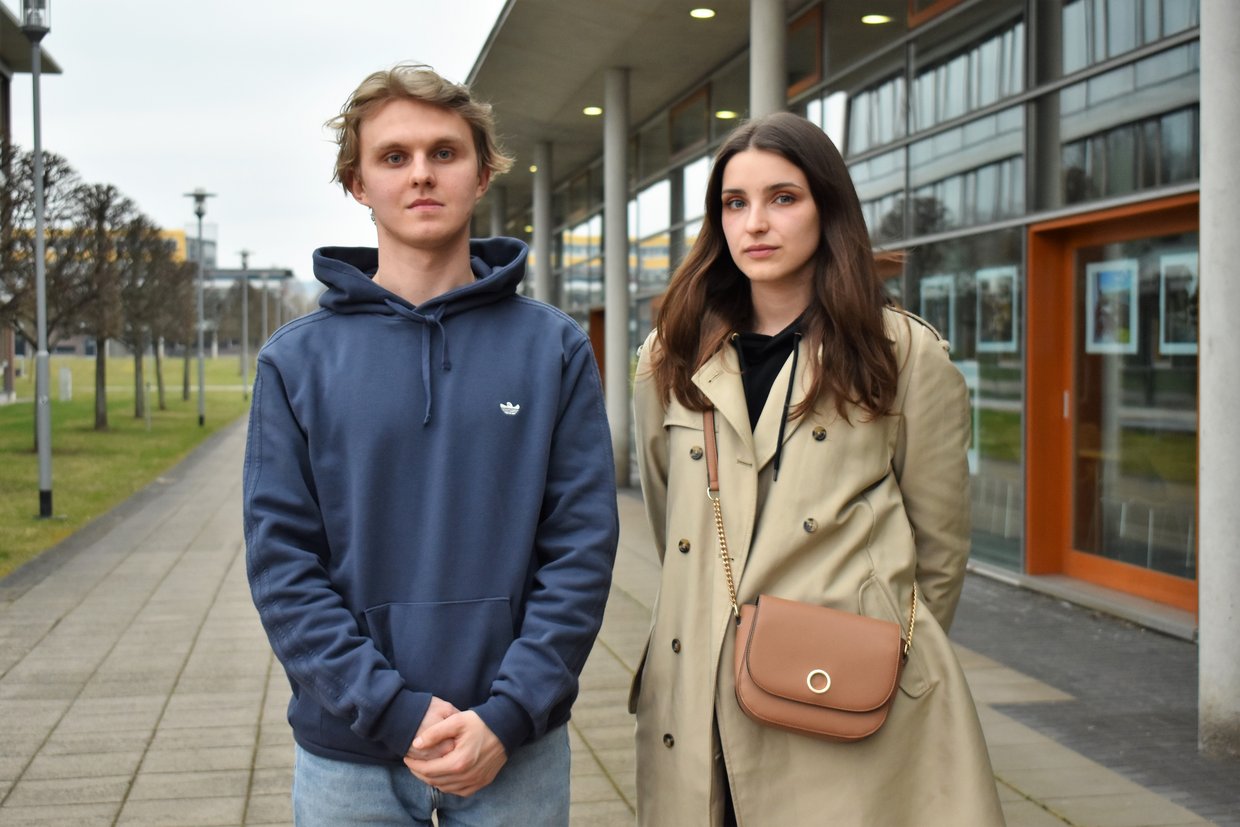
(820, 656)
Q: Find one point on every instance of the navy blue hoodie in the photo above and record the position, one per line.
(430, 506)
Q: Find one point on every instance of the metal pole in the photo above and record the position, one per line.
(202, 371)
(616, 346)
(42, 374)
(245, 325)
(542, 224)
(200, 197)
(264, 308)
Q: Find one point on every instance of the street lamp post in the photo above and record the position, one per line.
(36, 23)
(200, 197)
(245, 325)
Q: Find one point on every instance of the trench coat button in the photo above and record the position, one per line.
(820, 433)
(676, 645)
(683, 545)
(810, 525)
(669, 741)
(695, 452)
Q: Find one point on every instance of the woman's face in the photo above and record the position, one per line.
(769, 219)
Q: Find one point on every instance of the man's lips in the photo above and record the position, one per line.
(422, 203)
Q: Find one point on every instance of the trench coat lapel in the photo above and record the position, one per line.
(766, 435)
(720, 381)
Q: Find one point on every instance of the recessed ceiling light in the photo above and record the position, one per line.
(533, 167)
(529, 228)
(592, 111)
(702, 13)
(726, 115)
(875, 19)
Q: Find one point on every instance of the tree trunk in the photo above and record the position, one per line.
(101, 383)
(139, 381)
(185, 378)
(159, 373)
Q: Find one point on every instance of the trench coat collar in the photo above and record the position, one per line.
(719, 380)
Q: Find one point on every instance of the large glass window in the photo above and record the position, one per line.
(1096, 30)
(1133, 128)
(880, 186)
(689, 122)
(650, 235)
(876, 115)
(696, 175)
(978, 76)
(972, 290)
(969, 175)
(729, 98)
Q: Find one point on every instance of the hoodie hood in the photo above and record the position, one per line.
(498, 265)
(348, 273)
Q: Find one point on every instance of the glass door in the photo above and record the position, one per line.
(1111, 399)
(1134, 454)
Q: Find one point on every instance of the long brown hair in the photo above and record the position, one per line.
(708, 297)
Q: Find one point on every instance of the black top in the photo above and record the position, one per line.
(761, 358)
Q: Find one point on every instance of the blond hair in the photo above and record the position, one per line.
(419, 82)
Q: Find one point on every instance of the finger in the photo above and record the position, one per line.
(432, 735)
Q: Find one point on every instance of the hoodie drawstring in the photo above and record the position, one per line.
(435, 317)
(783, 420)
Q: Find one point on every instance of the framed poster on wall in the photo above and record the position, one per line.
(938, 304)
(1177, 304)
(997, 310)
(1111, 306)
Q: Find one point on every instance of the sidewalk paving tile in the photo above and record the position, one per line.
(192, 784)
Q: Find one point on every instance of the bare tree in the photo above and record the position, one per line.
(67, 287)
(104, 215)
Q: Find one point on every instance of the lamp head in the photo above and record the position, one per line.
(36, 18)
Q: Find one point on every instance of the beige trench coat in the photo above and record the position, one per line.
(859, 509)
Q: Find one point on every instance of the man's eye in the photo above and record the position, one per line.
(393, 158)
(445, 155)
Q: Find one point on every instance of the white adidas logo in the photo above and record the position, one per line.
(509, 408)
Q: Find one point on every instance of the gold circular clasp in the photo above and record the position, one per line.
(809, 681)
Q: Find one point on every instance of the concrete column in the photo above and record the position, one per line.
(1218, 575)
(768, 72)
(499, 209)
(542, 223)
(616, 263)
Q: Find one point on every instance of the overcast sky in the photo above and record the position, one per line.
(159, 97)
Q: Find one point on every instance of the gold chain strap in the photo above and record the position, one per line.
(723, 552)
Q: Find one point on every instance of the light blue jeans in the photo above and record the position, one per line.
(531, 789)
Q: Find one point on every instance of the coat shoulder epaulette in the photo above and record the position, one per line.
(919, 320)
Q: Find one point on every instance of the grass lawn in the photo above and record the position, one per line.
(92, 471)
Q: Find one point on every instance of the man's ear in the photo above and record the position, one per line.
(357, 189)
(484, 182)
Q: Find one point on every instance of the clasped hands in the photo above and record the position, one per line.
(454, 751)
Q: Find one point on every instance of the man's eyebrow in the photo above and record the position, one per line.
(398, 143)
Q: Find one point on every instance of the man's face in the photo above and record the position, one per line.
(418, 172)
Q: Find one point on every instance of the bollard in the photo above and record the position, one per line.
(66, 385)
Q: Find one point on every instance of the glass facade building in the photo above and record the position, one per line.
(1035, 165)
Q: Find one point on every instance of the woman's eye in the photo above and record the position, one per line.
(784, 198)
(734, 204)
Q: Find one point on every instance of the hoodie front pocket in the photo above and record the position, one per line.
(452, 650)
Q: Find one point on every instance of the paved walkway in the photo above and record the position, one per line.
(136, 686)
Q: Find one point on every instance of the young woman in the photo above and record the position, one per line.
(842, 429)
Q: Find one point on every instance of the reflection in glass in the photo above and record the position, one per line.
(876, 116)
(978, 76)
(1097, 30)
(880, 186)
(973, 288)
(1135, 447)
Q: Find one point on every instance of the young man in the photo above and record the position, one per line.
(430, 508)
